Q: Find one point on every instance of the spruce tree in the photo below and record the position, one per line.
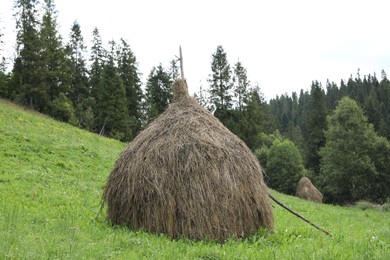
(98, 54)
(79, 74)
(315, 126)
(26, 79)
(220, 81)
(240, 84)
(174, 70)
(52, 69)
(128, 71)
(112, 114)
(158, 92)
(80, 93)
(4, 93)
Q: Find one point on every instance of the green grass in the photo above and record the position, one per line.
(51, 180)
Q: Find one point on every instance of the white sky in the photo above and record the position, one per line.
(283, 44)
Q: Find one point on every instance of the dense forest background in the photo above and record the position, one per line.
(336, 134)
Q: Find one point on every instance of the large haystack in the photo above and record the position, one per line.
(306, 190)
(186, 174)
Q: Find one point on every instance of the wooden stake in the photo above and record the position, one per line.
(298, 215)
(181, 64)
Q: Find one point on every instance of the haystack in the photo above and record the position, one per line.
(306, 190)
(188, 175)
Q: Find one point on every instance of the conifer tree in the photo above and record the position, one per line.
(26, 79)
(128, 70)
(315, 126)
(53, 73)
(3, 77)
(220, 81)
(174, 70)
(79, 75)
(98, 54)
(80, 93)
(240, 84)
(158, 92)
(112, 114)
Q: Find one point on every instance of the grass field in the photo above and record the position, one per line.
(51, 180)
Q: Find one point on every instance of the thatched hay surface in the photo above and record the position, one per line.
(186, 174)
(306, 190)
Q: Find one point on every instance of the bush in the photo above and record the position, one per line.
(63, 110)
(386, 206)
(363, 205)
(284, 166)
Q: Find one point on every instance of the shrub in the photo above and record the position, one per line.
(284, 166)
(63, 110)
(386, 205)
(364, 204)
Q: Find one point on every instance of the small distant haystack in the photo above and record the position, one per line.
(186, 174)
(306, 190)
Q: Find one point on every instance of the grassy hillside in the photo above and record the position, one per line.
(51, 179)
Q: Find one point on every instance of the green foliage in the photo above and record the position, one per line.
(62, 109)
(128, 71)
(284, 166)
(386, 205)
(53, 67)
(112, 114)
(315, 127)
(363, 205)
(240, 84)
(77, 68)
(28, 55)
(158, 92)
(4, 92)
(220, 81)
(353, 164)
(51, 178)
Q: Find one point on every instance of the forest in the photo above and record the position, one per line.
(337, 134)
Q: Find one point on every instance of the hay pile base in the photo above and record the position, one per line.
(306, 190)
(188, 175)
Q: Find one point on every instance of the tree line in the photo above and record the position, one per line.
(336, 135)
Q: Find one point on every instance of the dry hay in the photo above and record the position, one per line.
(188, 175)
(306, 190)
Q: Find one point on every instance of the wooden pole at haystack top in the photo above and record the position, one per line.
(181, 64)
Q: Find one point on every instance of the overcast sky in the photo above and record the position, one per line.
(284, 45)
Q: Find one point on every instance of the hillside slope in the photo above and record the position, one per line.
(51, 179)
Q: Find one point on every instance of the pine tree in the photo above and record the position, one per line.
(174, 70)
(252, 118)
(98, 54)
(112, 113)
(128, 70)
(4, 93)
(79, 74)
(315, 126)
(240, 84)
(220, 81)
(158, 92)
(26, 83)
(52, 65)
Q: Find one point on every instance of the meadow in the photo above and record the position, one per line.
(51, 182)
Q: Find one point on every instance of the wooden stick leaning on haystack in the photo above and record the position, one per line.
(298, 215)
